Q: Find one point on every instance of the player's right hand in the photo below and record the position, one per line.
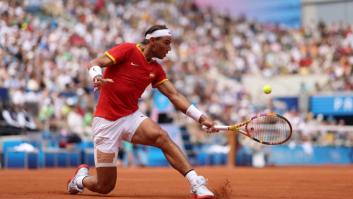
(98, 81)
(207, 124)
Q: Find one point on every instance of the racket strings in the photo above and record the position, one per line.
(269, 129)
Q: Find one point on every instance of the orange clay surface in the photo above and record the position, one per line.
(334, 182)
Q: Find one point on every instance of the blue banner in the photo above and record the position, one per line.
(284, 155)
(284, 12)
(332, 105)
(284, 104)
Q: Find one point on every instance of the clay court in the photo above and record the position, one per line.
(161, 183)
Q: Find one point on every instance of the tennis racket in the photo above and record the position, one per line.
(265, 128)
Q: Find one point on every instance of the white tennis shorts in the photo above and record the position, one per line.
(108, 136)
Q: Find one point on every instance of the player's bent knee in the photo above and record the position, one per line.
(105, 189)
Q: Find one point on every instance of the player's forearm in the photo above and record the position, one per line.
(182, 104)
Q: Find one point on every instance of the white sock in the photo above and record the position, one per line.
(191, 176)
(79, 181)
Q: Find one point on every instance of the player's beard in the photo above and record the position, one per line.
(161, 55)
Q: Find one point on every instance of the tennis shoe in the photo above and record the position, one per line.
(199, 189)
(72, 186)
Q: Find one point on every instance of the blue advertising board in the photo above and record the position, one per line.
(284, 12)
(285, 155)
(284, 104)
(332, 105)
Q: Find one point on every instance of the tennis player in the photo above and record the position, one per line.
(130, 68)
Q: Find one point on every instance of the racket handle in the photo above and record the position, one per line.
(217, 127)
(221, 127)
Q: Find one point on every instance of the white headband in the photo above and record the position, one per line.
(159, 33)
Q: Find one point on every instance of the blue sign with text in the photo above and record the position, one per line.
(332, 105)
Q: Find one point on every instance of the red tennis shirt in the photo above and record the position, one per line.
(131, 74)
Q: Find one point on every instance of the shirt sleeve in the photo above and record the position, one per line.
(160, 76)
(118, 53)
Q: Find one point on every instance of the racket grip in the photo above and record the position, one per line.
(221, 127)
(217, 127)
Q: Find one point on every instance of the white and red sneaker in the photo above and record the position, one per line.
(199, 189)
(72, 186)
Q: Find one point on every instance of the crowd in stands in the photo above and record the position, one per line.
(45, 47)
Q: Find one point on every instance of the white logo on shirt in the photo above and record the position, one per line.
(133, 64)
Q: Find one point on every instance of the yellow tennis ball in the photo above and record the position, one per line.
(267, 89)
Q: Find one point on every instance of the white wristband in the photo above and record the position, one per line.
(194, 113)
(95, 71)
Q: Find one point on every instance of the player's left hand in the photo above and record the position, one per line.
(208, 123)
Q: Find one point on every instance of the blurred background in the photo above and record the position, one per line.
(223, 53)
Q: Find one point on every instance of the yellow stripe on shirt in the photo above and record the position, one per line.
(110, 57)
(160, 82)
(138, 46)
